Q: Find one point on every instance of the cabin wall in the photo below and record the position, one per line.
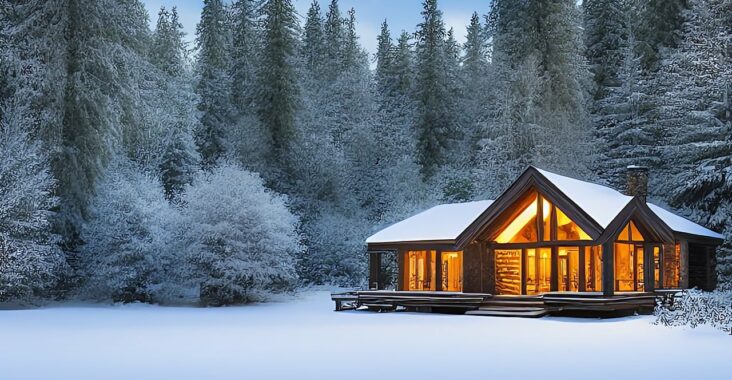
(702, 267)
(472, 269)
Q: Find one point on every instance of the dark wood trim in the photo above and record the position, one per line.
(438, 270)
(540, 219)
(582, 284)
(554, 278)
(648, 275)
(524, 266)
(608, 268)
(375, 277)
(401, 270)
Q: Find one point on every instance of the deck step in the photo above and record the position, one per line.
(508, 312)
(529, 303)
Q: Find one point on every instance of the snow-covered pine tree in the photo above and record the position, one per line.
(622, 117)
(696, 116)
(435, 112)
(334, 39)
(213, 86)
(244, 55)
(313, 47)
(658, 27)
(606, 24)
(30, 259)
(241, 238)
(277, 85)
(105, 40)
(554, 132)
(168, 50)
(170, 106)
(475, 83)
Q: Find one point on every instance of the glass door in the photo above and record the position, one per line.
(452, 271)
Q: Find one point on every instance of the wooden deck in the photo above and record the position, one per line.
(481, 304)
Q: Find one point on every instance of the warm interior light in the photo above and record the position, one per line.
(518, 224)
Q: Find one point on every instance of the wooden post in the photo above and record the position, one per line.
(608, 269)
(401, 270)
(375, 281)
(490, 287)
(648, 264)
(711, 268)
(684, 264)
(554, 279)
(582, 284)
(438, 271)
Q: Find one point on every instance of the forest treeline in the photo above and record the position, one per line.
(138, 168)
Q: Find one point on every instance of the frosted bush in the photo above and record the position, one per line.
(695, 307)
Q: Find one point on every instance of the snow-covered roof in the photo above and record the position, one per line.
(601, 203)
(443, 222)
(682, 225)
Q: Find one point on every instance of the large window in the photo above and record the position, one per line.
(629, 275)
(593, 269)
(452, 271)
(671, 266)
(538, 270)
(421, 273)
(568, 269)
(508, 271)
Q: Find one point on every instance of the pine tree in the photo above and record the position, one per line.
(213, 86)
(244, 55)
(696, 118)
(474, 83)
(622, 117)
(313, 48)
(606, 24)
(334, 39)
(384, 56)
(278, 91)
(30, 259)
(435, 120)
(659, 27)
(168, 49)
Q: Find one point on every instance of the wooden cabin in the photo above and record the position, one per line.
(548, 233)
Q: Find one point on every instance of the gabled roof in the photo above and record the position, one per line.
(440, 223)
(601, 203)
(461, 222)
(683, 225)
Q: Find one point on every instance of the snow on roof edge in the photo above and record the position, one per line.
(441, 222)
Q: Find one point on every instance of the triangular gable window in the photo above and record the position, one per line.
(567, 229)
(525, 229)
(630, 233)
(522, 228)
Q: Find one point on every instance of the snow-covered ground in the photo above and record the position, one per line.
(305, 339)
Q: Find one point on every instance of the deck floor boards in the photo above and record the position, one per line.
(554, 303)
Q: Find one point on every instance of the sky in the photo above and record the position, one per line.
(400, 14)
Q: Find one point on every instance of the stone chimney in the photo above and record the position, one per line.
(637, 182)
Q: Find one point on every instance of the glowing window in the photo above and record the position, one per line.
(523, 228)
(421, 270)
(452, 271)
(508, 271)
(568, 229)
(630, 233)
